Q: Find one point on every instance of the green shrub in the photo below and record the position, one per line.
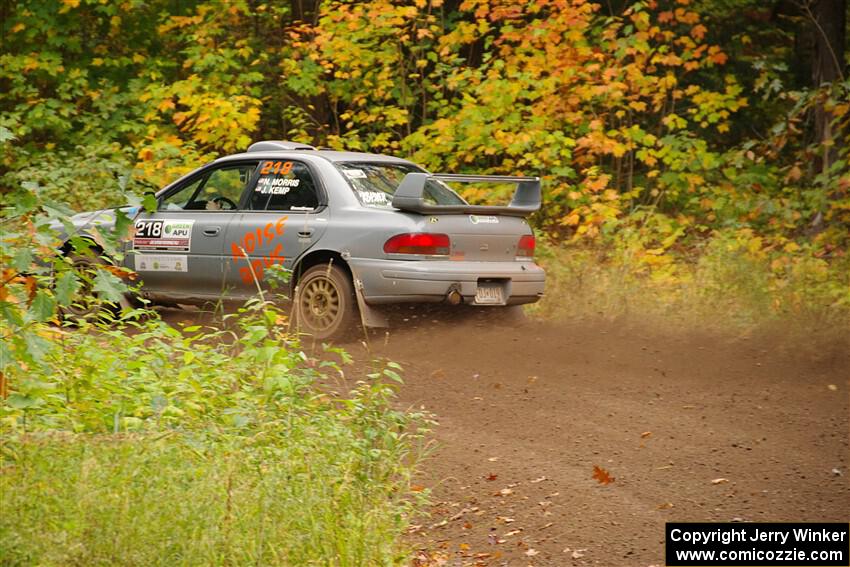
(148, 445)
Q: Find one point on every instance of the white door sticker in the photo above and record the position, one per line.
(161, 234)
(161, 263)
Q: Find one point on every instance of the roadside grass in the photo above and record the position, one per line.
(727, 283)
(163, 446)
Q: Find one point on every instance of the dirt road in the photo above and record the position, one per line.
(690, 427)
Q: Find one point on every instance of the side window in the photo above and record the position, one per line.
(218, 190)
(180, 200)
(284, 186)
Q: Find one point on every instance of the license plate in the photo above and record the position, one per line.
(489, 294)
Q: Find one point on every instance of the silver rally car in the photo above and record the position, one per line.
(356, 230)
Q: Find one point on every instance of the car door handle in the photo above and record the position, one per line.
(305, 233)
(212, 231)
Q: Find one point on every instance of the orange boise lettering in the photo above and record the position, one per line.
(258, 239)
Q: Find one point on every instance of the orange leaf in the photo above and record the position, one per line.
(698, 31)
(30, 284)
(119, 272)
(602, 475)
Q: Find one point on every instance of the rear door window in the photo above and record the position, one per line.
(284, 185)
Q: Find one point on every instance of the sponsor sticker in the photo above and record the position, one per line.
(483, 219)
(161, 263)
(373, 197)
(161, 234)
(275, 186)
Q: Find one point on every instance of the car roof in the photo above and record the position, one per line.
(328, 155)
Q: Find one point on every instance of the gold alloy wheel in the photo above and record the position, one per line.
(320, 303)
(325, 306)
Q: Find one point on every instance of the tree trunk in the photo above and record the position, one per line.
(830, 20)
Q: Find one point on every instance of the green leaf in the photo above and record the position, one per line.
(107, 287)
(43, 306)
(122, 224)
(149, 203)
(22, 260)
(67, 285)
(5, 135)
(18, 401)
(393, 375)
(5, 355)
(37, 347)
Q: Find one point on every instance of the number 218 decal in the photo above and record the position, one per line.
(149, 228)
(276, 167)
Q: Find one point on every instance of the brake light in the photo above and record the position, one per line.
(525, 247)
(425, 243)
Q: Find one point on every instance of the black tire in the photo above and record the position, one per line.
(325, 306)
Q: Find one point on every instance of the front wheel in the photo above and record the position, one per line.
(325, 305)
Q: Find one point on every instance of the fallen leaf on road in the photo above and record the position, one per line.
(506, 491)
(416, 488)
(532, 552)
(577, 554)
(665, 506)
(645, 434)
(833, 387)
(719, 480)
(492, 476)
(511, 533)
(602, 475)
(493, 459)
(536, 480)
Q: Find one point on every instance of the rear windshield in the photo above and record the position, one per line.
(375, 184)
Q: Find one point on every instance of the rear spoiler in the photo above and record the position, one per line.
(526, 199)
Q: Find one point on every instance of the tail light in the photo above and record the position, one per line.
(425, 243)
(525, 248)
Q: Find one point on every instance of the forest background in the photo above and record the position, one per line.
(692, 151)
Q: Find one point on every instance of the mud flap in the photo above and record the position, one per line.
(369, 316)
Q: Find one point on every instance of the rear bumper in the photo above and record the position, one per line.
(428, 281)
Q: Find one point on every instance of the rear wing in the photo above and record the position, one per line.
(409, 195)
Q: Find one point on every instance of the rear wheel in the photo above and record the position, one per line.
(325, 305)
